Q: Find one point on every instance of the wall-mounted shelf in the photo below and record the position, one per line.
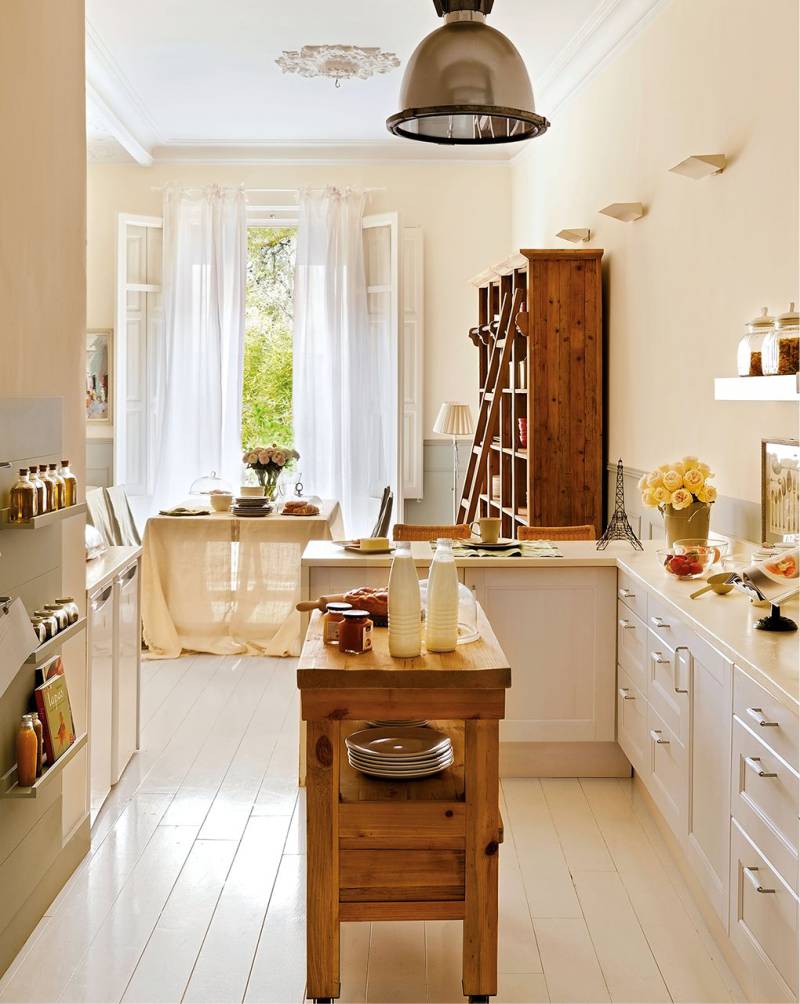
(701, 165)
(53, 645)
(10, 789)
(755, 388)
(575, 235)
(46, 519)
(625, 212)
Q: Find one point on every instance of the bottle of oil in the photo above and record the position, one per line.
(49, 488)
(22, 499)
(70, 484)
(58, 487)
(41, 490)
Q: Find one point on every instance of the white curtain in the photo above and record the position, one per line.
(338, 365)
(198, 364)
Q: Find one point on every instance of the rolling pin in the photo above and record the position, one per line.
(374, 601)
(305, 605)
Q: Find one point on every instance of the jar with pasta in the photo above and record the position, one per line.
(782, 345)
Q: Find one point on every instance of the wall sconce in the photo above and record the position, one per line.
(701, 165)
(574, 236)
(626, 212)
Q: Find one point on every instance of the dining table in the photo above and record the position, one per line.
(224, 584)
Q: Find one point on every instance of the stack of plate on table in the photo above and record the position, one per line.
(399, 752)
(256, 505)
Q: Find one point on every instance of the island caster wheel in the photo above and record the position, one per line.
(323, 1000)
(479, 999)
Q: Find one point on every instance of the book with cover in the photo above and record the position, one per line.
(53, 667)
(55, 712)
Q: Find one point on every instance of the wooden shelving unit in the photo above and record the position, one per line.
(53, 646)
(46, 519)
(539, 338)
(10, 789)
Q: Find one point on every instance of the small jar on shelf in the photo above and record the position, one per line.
(782, 345)
(749, 357)
(69, 604)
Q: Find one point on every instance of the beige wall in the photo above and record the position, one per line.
(706, 76)
(42, 339)
(464, 211)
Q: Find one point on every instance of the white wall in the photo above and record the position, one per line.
(464, 210)
(705, 76)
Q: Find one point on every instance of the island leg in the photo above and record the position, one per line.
(322, 874)
(481, 778)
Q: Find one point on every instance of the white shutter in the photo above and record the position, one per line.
(412, 346)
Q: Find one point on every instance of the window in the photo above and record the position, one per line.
(267, 371)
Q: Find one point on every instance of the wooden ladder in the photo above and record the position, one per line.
(510, 322)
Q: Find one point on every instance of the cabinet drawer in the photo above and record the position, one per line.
(775, 724)
(668, 684)
(764, 798)
(669, 773)
(632, 594)
(632, 645)
(632, 733)
(763, 922)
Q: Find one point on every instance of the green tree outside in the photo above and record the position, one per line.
(267, 377)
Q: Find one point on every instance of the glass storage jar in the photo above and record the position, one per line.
(60, 614)
(69, 604)
(39, 629)
(49, 621)
(782, 345)
(749, 357)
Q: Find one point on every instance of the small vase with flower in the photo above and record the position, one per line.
(683, 494)
(268, 463)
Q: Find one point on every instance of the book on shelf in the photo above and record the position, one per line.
(47, 670)
(55, 713)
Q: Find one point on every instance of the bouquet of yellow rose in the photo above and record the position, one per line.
(678, 484)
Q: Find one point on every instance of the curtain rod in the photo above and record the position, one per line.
(270, 191)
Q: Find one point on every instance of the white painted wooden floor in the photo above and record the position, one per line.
(194, 888)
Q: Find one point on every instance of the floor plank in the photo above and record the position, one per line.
(578, 833)
(397, 963)
(571, 968)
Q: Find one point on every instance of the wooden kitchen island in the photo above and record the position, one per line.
(403, 850)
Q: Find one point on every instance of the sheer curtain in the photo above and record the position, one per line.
(198, 363)
(338, 407)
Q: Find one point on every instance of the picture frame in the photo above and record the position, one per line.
(98, 376)
(780, 490)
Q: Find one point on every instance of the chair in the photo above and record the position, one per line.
(127, 532)
(100, 516)
(585, 532)
(422, 531)
(381, 528)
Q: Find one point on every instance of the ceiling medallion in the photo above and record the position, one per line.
(339, 62)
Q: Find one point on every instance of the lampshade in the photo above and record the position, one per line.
(453, 420)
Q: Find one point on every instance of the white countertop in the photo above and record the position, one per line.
(102, 569)
(726, 622)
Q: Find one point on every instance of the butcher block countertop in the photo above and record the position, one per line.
(726, 622)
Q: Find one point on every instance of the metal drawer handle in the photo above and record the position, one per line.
(752, 877)
(625, 625)
(758, 714)
(626, 594)
(754, 763)
(675, 660)
(658, 659)
(658, 738)
(625, 694)
(659, 623)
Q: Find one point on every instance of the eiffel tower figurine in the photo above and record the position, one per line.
(618, 526)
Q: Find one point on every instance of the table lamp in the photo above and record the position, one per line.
(454, 420)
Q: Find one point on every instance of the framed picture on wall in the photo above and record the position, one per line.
(780, 490)
(98, 376)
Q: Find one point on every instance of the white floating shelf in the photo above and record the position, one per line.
(763, 388)
(701, 165)
(8, 784)
(577, 236)
(46, 519)
(53, 645)
(625, 212)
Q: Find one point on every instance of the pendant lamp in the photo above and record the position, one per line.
(466, 83)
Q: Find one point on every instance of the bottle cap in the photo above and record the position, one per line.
(65, 463)
(354, 614)
(23, 472)
(338, 608)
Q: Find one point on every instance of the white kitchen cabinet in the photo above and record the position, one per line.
(126, 670)
(101, 676)
(632, 731)
(558, 629)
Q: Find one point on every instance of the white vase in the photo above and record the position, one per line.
(405, 628)
(441, 624)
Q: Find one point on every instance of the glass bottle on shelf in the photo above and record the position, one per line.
(70, 484)
(27, 750)
(41, 490)
(58, 487)
(22, 499)
(39, 730)
(749, 357)
(49, 488)
(782, 345)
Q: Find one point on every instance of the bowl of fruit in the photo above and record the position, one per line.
(688, 562)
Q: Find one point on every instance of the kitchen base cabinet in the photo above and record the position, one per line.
(126, 670)
(101, 683)
(632, 730)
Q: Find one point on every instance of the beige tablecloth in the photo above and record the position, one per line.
(226, 585)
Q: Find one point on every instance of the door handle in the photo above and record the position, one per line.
(626, 594)
(659, 623)
(675, 661)
(658, 659)
(754, 763)
(758, 714)
(658, 738)
(625, 694)
(752, 877)
(625, 624)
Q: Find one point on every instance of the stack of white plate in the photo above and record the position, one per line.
(399, 753)
(246, 505)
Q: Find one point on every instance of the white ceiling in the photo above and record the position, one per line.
(197, 79)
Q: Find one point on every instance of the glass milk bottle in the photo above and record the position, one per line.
(441, 627)
(405, 628)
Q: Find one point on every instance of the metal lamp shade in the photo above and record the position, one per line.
(453, 420)
(466, 83)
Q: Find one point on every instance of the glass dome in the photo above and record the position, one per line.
(467, 612)
(210, 484)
